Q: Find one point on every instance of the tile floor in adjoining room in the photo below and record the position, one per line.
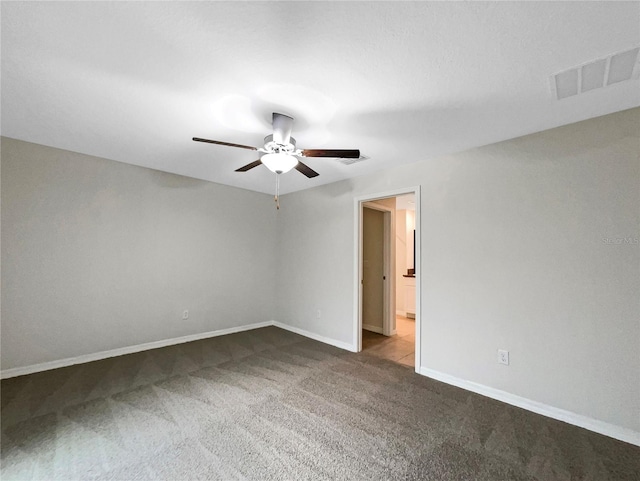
(399, 347)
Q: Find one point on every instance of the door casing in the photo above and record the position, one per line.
(357, 307)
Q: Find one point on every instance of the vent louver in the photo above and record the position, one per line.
(352, 161)
(599, 73)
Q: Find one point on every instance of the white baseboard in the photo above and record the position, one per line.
(70, 361)
(317, 337)
(401, 313)
(372, 328)
(601, 427)
(607, 429)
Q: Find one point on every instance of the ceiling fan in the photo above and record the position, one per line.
(279, 153)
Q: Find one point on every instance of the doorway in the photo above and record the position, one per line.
(387, 311)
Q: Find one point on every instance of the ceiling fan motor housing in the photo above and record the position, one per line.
(272, 147)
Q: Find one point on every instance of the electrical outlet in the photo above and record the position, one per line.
(185, 314)
(503, 356)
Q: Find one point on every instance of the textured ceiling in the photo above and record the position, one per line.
(135, 81)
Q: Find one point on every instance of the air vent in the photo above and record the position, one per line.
(593, 75)
(621, 66)
(352, 161)
(597, 74)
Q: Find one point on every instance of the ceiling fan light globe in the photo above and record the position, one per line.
(279, 163)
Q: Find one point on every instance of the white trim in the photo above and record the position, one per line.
(70, 361)
(327, 340)
(372, 328)
(390, 274)
(357, 277)
(388, 193)
(358, 202)
(417, 263)
(601, 427)
(401, 313)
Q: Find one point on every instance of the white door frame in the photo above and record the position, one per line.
(388, 266)
(357, 307)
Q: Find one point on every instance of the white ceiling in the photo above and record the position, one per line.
(135, 81)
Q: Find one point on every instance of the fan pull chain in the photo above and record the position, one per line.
(277, 199)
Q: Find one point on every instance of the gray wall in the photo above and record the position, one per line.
(514, 256)
(98, 255)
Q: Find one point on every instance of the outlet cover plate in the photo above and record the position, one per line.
(503, 357)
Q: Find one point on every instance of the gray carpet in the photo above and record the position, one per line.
(268, 404)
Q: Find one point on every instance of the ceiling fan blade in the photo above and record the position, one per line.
(250, 166)
(342, 154)
(282, 125)
(228, 144)
(306, 170)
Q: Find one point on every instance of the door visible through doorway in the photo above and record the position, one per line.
(373, 270)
